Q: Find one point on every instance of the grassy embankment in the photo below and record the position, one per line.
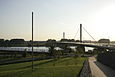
(64, 67)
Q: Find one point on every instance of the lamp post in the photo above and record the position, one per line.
(32, 44)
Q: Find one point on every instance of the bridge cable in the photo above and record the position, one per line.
(76, 33)
(89, 34)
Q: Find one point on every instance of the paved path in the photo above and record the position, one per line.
(100, 70)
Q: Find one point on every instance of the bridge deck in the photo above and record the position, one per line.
(100, 70)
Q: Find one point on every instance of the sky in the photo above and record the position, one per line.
(53, 17)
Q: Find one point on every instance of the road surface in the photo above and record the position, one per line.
(100, 70)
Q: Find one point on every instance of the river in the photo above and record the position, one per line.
(37, 49)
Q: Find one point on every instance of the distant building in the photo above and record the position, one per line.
(104, 41)
(17, 41)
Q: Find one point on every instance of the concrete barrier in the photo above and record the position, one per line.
(85, 71)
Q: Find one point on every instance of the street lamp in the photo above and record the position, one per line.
(32, 44)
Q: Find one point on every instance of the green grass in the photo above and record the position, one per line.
(64, 67)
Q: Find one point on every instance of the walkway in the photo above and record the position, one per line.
(100, 70)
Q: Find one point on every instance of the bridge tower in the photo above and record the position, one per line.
(80, 32)
(63, 35)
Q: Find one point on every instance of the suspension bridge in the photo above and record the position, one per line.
(102, 46)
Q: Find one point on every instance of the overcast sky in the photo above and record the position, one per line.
(53, 17)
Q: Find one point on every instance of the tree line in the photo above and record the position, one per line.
(12, 42)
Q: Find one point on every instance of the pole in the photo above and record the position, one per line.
(80, 32)
(63, 35)
(32, 44)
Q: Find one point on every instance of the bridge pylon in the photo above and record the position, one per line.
(80, 32)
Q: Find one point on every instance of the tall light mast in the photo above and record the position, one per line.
(32, 44)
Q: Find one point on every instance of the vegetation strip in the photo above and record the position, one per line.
(62, 67)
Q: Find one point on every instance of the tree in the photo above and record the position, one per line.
(7, 43)
(80, 49)
(57, 53)
(51, 40)
(67, 40)
(51, 50)
(2, 43)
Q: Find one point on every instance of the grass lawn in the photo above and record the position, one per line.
(64, 67)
